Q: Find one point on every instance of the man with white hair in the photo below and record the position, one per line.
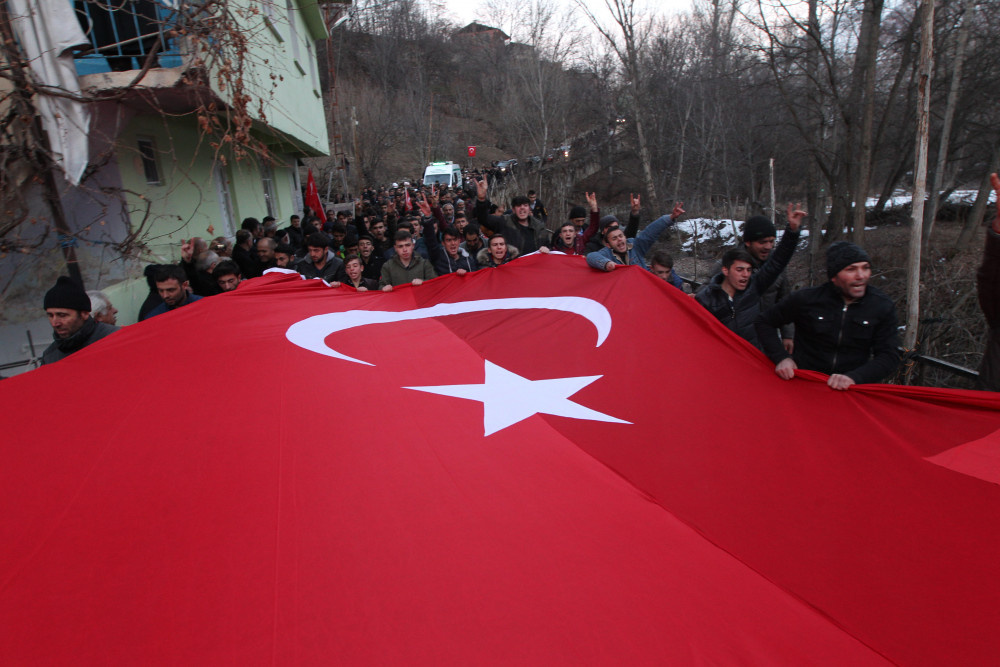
(102, 310)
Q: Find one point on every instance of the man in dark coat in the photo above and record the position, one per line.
(68, 308)
(844, 327)
(759, 235)
(321, 262)
(735, 295)
(520, 228)
(988, 285)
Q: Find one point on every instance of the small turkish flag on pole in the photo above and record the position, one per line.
(312, 198)
(472, 151)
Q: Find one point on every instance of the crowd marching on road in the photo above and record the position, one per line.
(844, 327)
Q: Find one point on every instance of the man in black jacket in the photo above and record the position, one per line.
(758, 240)
(988, 286)
(321, 262)
(521, 228)
(736, 294)
(844, 327)
(446, 253)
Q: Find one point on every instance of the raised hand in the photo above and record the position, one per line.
(482, 187)
(424, 205)
(795, 216)
(678, 210)
(591, 200)
(187, 250)
(634, 201)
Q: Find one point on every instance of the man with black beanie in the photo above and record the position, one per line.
(844, 327)
(68, 308)
(523, 229)
(759, 235)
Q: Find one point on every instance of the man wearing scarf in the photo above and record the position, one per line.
(68, 308)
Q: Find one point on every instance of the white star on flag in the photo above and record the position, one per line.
(508, 398)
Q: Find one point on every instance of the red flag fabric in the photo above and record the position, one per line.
(538, 463)
(313, 200)
(472, 151)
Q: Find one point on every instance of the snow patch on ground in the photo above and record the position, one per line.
(902, 198)
(726, 232)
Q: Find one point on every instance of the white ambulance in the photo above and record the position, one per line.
(443, 173)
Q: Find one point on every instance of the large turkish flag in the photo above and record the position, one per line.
(538, 463)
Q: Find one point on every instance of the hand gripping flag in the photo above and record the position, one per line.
(312, 198)
(537, 464)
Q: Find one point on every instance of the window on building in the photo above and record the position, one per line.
(296, 179)
(270, 12)
(267, 181)
(150, 163)
(293, 33)
(313, 73)
(221, 176)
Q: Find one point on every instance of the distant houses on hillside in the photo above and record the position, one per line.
(484, 33)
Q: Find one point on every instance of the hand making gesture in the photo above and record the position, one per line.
(187, 250)
(795, 216)
(424, 206)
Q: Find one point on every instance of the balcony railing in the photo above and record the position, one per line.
(122, 33)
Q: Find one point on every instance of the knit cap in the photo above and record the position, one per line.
(842, 254)
(67, 293)
(758, 227)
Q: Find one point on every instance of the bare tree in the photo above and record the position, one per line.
(944, 142)
(920, 177)
(634, 34)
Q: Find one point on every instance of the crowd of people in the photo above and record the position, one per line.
(844, 327)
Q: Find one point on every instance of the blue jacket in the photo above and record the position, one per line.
(676, 280)
(162, 308)
(637, 247)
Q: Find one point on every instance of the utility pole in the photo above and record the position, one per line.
(774, 205)
(354, 141)
(430, 130)
(334, 18)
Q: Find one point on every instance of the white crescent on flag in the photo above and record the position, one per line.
(311, 333)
